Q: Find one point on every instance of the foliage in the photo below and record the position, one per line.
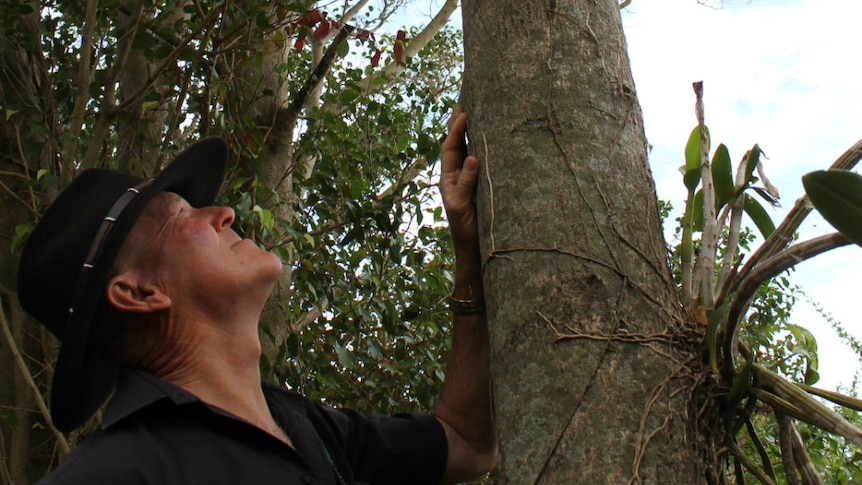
(331, 166)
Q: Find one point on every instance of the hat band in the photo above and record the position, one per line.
(102, 235)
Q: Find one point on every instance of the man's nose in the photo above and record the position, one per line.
(222, 217)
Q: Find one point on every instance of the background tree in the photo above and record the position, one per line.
(333, 122)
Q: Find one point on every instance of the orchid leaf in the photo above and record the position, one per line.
(759, 215)
(751, 161)
(837, 195)
(722, 177)
(691, 172)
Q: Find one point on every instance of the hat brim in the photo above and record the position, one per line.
(82, 381)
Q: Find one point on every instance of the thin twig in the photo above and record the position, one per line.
(25, 373)
(171, 57)
(83, 80)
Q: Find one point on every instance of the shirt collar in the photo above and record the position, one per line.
(136, 390)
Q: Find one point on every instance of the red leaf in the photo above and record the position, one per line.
(299, 44)
(321, 31)
(333, 24)
(311, 18)
(401, 36)
(398, 51)
(375, 59)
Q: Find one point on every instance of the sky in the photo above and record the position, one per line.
(782, 74)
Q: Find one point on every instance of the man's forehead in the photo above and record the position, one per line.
(159, 209)
(164, 203)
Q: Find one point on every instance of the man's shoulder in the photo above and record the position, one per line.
(103, 457)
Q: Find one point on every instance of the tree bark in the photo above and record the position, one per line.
(593, 363)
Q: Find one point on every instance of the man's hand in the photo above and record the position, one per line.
(458, 178)
(464, 406)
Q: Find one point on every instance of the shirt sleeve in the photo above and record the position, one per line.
(404, 448)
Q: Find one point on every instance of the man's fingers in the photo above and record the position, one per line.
(455, 147)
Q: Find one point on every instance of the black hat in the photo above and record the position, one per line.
(68, 260)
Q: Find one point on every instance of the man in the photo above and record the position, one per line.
(156, 299)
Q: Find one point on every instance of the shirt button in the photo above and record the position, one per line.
(306, 479)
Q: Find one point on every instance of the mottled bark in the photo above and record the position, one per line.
(593, 363)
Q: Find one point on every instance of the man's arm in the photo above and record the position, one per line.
(464, 407)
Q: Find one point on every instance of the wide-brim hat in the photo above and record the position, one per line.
(68, 259)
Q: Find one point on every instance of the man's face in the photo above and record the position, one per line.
(194, 256)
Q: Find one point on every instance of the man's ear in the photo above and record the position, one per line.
(126, 293)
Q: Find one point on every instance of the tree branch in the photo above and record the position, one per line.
(768, 269)
(25, 373)
(836, 397)
(413, 46)
(171, 57)
(803, 460)
(749, 464)
(785, 444)
(315, 79)
(784, 233)
(83, 80)
(783, 395)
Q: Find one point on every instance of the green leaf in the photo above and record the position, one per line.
(21, 232)
(759, 215)
(806, 346)
(265, 216)
(343, 49)
(739, 388)
(41, 173)
(348, 96)
(345, 357)
(691, 171)
(697, 211)
(401, 142)
(715, 319)
(722, 176)
(837, 195)
(751, 161)
(147, 105)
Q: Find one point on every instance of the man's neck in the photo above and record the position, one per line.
(220, 365)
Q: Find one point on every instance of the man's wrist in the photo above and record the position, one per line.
(472, 306)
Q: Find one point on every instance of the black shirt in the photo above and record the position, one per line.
(156, 433)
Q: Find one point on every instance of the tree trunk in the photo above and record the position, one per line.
(267, 97)
(594, 367)
(141, 130)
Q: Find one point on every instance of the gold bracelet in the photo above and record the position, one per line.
(466, 307)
